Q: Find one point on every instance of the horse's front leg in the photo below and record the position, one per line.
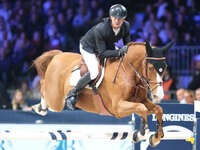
(154, 139)
(141, 134)
(126, 108)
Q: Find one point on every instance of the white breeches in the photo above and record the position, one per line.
(91, 62)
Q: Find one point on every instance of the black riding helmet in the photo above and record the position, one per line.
(118, 11)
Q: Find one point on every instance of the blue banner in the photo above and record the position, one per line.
(173, 114)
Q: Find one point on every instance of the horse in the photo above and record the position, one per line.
(141, 70)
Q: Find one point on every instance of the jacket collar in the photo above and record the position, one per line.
(106, 20)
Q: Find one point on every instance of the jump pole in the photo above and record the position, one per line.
(80, 135)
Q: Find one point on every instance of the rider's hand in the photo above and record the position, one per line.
(123, 50)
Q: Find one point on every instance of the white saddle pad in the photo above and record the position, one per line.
(75, 77)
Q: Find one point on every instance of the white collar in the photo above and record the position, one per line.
(116, 31)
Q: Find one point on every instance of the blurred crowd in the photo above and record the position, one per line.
(165, 21)
(29, 28)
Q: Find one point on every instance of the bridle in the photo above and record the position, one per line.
(144, 80)
(146, 67)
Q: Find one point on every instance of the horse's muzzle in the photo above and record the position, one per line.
(157, 99)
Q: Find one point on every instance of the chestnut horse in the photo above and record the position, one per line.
(142, 68)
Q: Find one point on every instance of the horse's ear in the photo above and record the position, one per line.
(167, 47)
(149, 50)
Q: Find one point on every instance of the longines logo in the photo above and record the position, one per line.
(175, 117)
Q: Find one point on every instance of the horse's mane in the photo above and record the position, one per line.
(136, 43)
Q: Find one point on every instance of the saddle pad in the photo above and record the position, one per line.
(75, 76)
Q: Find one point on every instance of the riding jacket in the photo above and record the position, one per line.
(101, 39)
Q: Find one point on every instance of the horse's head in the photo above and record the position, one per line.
(155, 68)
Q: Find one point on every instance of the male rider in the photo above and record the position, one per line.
(100, 41)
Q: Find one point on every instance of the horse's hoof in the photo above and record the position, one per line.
(139, 136)
(38, 110)
(135, 136)
(153, 144)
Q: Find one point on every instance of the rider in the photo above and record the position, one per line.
(100, 41)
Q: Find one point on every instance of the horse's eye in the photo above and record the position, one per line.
(150, 68)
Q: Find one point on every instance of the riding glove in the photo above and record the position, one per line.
(123, 50)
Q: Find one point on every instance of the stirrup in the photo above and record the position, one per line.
(71, 99)
(71, 102)
(72, 93)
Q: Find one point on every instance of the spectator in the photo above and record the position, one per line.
(165, 34)
(197, 33)
(148, 11)
(182, 24)
(150, 24)
(35, 88)
(160, 5)
(155, 40)
(168, 83)
(64, 5)
(48, 29)
(35, 48)
(69, 16)
(53, 41)
(180, 95)
(5, 12)
(70, 37)
(62, 29)
(4, 98)
(81, 20)
(20, 53)
(172, 35)
(52, 35)
(188, 39)
(34, 24)
(96, 13)
(195, 83)
(18, 102)
(48, 4)
(5, 33)
(25, 89)
(189, 96)
(197, 94)
(5, 64)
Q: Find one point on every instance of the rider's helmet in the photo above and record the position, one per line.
(118, 11)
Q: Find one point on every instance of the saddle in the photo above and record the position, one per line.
(84, 69)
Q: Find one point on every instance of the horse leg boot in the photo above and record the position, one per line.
(141, 133)
(72, 96)
(154, 139)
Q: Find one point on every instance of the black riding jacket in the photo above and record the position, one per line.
(101, 39)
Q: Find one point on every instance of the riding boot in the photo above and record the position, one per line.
(72, 96)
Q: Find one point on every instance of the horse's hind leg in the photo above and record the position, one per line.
(154, 139)
(41, 108)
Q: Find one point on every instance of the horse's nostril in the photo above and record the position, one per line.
(155, 97)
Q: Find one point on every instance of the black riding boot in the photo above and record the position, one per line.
(72, 96)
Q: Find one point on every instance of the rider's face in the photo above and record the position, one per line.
(116, 22)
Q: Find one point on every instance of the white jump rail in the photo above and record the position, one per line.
(80, 135)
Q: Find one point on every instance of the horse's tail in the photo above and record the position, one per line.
(41, 63)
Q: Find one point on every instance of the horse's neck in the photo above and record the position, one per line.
(137, 59)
